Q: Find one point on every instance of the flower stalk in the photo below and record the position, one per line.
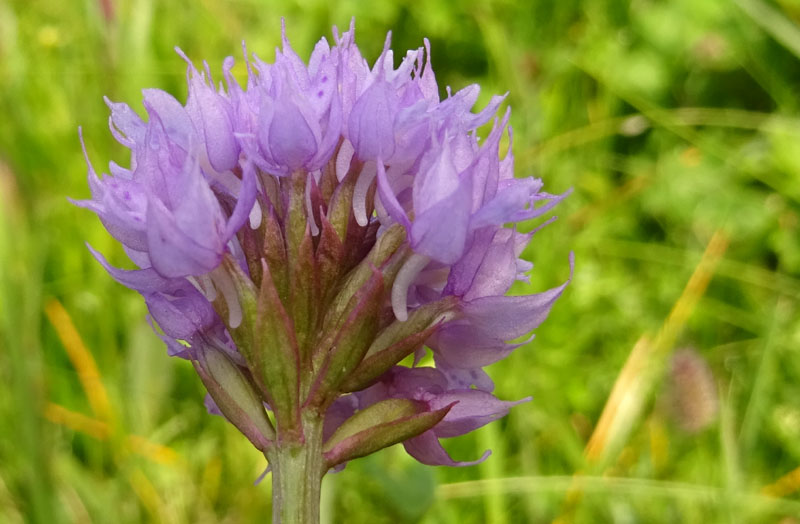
(297, 469)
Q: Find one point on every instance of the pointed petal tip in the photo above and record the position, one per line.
(181, 54)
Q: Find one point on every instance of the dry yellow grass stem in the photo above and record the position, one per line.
(642, 370)
(101, 431)
(81, 359)
(784, 486)
(647, 358)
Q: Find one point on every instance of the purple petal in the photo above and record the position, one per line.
(181, 316)
(427, 449)
(498, 270)
(291, 139)
(221, 146)
(388, 198)
(211, 406)
(177, 124)
(245, 202)
(172, 252)
(126, 126)
(142, 280)
(341, 409)
(371, 124)
(474, 409)
(511, 317)
(463, 346)
(409, 382)
(427, 81)
(445, 244)
(464, 378)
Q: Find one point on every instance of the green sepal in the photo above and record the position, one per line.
(266, 339)
(235, 396)
(300, 262)
(275, 254)
(397, 341)
(303, 294)
(327, 179)
(379, 426)
(252, 244)
(346, 341)
(379, 257)
(341, 203)
(329, 256)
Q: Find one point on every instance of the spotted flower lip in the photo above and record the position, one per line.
(298, 235)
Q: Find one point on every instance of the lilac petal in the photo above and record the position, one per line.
(118, 204)
(407, 382)
(221, 146)
(464, 378)
(126, 126)
(463, 346)
(142, 280)
(341, 409)
(427, 81)
(291, 139)
(182, 316)
(140, 258)
(118, 171)
(210, 113)
(319, 57)
(497, 271)
(445, 244)
(506, 203)
(177, 124)
(172, 252)
(211, 406)
(437, 179)
(323, 87)
(462, 273)
(474, 409)
(245, 203)
(331, 133)
(388, 198)
(198, 213)
(371, 124)
(474, 121)
(289, 58)
(427, 449)
(511, 317)
(174, 348)
(534, 212)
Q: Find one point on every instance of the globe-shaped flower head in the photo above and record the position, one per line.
(299, 236)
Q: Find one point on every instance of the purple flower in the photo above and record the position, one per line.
(299, 236)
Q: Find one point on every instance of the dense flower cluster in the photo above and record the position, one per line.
(298, 237)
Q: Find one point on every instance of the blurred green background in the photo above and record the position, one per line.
(676, 123)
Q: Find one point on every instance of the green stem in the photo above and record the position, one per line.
(297, 469)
